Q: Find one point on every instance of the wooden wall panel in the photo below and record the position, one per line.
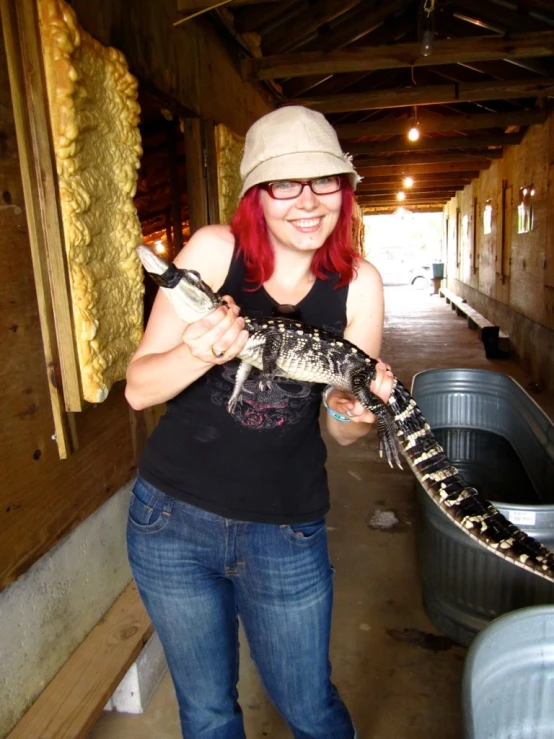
(528, 164)
(487, 194)
(189, 62)
(517, 293)
(41, 497)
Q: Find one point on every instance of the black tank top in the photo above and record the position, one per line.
(266, 462)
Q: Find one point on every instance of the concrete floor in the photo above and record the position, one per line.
(398, 682)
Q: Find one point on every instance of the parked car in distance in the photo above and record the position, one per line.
(396, 272)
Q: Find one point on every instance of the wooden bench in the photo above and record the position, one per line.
(495, 341)
(72, 702)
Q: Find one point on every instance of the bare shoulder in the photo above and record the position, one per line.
(209, 252)
(365, 308)
(367, 282)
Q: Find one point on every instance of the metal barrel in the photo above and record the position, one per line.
(464, 586)
(508, 678)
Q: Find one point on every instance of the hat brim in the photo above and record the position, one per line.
(300, 165)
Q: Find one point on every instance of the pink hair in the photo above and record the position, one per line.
(249, 227)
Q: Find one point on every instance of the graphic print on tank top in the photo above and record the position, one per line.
(284, 404)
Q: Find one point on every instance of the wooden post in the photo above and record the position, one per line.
(505, 241)
(23, 50)
(174, 186)
(196, 174)
(474, 217)
(208, 130)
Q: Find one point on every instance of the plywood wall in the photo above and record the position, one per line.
(511, 280)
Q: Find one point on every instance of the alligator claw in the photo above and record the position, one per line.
(387, 440)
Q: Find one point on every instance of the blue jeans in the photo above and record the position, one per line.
(197, 572)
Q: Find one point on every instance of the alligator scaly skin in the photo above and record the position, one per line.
(288, 348)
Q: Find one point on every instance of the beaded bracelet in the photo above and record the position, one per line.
(330, 411)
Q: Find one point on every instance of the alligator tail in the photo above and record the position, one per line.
(463, 504)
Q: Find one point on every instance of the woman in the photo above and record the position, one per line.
(228, 511)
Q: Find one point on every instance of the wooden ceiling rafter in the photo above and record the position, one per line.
(423, 180)
(444, 124)
(431, 95)
(497, 16)
(393, 203)
(260, 19)
(488, 78)
(390, 31)
(415, 169)
(416, 195)
(369, 58)
(306, 23)
(402, 144)
(419, 185)
(354, 25)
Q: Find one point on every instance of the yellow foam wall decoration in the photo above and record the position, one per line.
(229, 148)
(94, 114)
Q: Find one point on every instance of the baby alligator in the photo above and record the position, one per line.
(287, 348)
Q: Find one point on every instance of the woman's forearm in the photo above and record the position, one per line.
(156, 378)
(347, 433)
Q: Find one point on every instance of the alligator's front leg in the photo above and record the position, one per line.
(360, 380)
(240, 378)
(270, 354)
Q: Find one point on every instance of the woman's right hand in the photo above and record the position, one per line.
(219, 336)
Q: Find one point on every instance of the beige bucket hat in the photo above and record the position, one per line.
(293, 142)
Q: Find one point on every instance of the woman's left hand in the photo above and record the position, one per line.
(347, 405)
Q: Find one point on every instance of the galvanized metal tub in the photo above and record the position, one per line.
(508, 680)
(464, 586)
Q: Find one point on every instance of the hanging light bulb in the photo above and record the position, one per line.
(428, 36)
(401, 196)
(427, 41)
(413, 131)
(408, 182)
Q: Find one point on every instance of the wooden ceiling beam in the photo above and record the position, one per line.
(413, 196)
(460, 160)
(500, 18)
(418, 187)
(402, 144)
(430, 95)
(440, 200)
(356, 24)
(457, 155)
(409, 168)
(389, 32)
(387, 210)
(512, 68)
(417, 197)
(422, 178)
(261, 19)
(191, 6)
(545, 5)
(287, 36)
(393, 56)
(439, 124)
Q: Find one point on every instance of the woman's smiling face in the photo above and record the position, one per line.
(303, 223)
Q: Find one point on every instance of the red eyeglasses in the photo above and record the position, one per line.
(290, 189)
